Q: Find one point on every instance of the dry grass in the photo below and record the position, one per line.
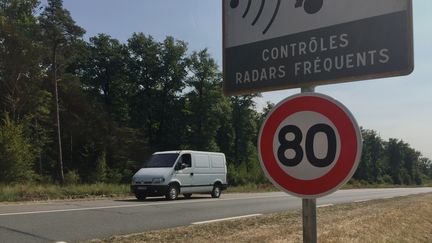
(404, 219)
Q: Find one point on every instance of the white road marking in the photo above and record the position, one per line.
(325, 205)
(137, 205)
(364, 200)
(225, 219)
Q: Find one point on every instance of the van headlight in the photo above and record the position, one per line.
(158, 180)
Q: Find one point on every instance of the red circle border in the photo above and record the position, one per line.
(349, 137)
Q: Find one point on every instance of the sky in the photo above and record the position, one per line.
(399, 107)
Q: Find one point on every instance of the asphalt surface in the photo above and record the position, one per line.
(72, 221)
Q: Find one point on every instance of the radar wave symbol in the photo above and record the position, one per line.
(235, 4)
(310, 7)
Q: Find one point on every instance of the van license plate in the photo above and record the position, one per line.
(142, 188)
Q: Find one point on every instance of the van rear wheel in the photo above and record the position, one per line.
(172, 192)
(216, 191)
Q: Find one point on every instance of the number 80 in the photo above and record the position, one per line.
(310, 153)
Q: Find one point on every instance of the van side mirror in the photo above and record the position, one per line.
(180, 166)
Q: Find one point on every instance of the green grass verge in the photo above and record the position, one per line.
(34, 192)
(252, 188)
(31, 192)
(41, 192)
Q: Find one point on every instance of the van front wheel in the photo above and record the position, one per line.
(216, 191)
(172, 193)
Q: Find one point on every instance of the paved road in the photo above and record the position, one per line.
(73, 221)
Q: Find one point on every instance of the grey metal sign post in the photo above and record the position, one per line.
(309, 221)
(310, 232)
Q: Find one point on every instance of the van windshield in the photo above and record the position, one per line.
(161, 160)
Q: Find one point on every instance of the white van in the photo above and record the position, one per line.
(184, 172)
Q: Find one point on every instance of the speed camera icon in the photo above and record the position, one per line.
(309, 6)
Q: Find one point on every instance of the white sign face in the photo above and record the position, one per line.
(309, 145)
(276, 44)
(304, 121)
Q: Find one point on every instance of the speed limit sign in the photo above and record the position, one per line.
(309, 145)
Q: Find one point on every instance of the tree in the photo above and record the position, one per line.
(244, 124)
(425, 167)
(19, 57)
(157, 73)
(103, 75)
(403, 162)
(22, 92)
(266, 110)
(395, 160)
(102, 71)
(16, 153)
(370, 166)
(59, 33)
(143, 70)
(206, 102)
(411, 161)
(169, 85)
(245, 128)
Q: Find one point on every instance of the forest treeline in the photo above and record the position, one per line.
(75, 110)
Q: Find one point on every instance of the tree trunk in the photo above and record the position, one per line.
(58, 114)
(38, 142)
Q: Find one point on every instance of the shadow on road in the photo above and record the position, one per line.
(160, 199)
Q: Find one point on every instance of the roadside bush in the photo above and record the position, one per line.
(43, 179)
(406, 178)
(236, 175)
(100, 173)
(72, 177)
(16, 155)
(385, 179)
(114, 176)
(353, 183)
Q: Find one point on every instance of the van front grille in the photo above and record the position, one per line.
(142, 182)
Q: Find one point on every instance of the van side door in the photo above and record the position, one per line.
(184, 171)
(203, 178)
